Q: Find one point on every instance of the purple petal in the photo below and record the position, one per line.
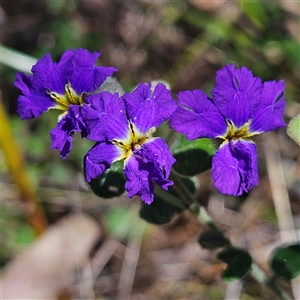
(197, 117)
(56, 80)
(62, 134)
(86, 76)
(61, 139)
(146, 109)
(151, 162)
(269, 114)
(75, 67)
(138, 181)
(34, 100)
(100, 75)
(65, 63)
(51, 75)
(105, 118)
(99, 158)
(236, 94)
(234, 168)
(42, 68)
(156, 154)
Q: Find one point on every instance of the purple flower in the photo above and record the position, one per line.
(61, 86)
(242, 106)
(122, 128)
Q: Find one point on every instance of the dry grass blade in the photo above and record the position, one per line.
(233, 290)
(110, 245)
(279, 189)
(280, 197)
(130, 262)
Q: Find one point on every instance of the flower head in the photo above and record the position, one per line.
(123, 130)
(241, 107)
(61, 86)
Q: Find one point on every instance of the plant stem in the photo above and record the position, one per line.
(181, 189)
(168, 197)
(261, 277)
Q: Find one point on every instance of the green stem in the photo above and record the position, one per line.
(168, 197)
(271, 283)
(181, 189)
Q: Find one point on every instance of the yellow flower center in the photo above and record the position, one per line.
(63, 101)
(236, 133)
(133, 142)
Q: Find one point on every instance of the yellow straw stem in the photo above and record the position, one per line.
(16, 166)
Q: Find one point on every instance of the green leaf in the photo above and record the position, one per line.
(111, 183)
(192, 157)
(285, 261)
(293, 129)
(239, 262)
(166, 204)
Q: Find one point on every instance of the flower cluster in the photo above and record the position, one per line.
(122, 125)
(241, 107)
